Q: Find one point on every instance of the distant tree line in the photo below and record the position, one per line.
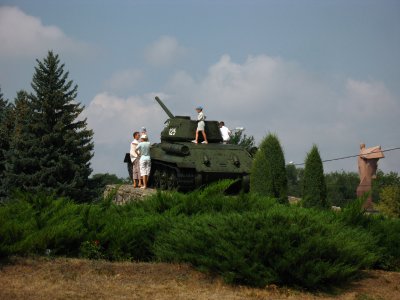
(271, 177)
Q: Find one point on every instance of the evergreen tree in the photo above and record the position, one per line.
(54, 148)
(18, 164)
(6, 128)
(240, 138)
(314, 187)
(268, 173)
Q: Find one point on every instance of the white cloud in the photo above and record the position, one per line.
(22, 35)
(114, 119)
(124, 79)
(265, 94)
(164, 51)
(270, 94)
(366, 99)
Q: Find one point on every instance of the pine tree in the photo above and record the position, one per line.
(6, 128)
(268, 173)
(314, 187)
(54, 148)
(17, 163)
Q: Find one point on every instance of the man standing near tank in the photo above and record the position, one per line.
(135, 161)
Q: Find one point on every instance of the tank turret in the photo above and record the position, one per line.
(176, 163)
(182, 128)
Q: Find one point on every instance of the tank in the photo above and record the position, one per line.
(179, 164)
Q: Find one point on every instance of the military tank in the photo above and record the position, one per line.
(179, 164)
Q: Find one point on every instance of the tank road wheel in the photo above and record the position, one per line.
(172, 180)
(164, 179)
(157, 179)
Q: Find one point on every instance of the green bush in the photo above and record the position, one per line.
(246, 238)
(283, 245)
(268, 173)
(385, 231)
(390, 201)
(314, 187)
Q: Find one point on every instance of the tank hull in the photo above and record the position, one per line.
(198, 165)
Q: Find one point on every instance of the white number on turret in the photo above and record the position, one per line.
(172, 131)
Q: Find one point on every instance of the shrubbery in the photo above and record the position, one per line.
(268, 173)
(247, 239)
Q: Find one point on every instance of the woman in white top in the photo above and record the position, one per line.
(145, 162)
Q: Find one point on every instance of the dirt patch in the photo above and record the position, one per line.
(62, 278)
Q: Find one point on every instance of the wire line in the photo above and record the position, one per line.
(350, 156)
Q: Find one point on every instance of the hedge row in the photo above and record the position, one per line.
(246, 239)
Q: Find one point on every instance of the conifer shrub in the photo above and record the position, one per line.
(248, 239)
(36, 222)
(283, 245)
(386, 232)
(314, 187)
(268, 172)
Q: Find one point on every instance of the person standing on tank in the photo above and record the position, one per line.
(143, 148)
(135, 161)
(200, 126)
(225, 132)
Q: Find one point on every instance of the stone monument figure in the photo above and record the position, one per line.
(367, 166)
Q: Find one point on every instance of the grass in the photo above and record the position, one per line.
(70, 278)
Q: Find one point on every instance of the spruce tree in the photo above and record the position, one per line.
(268, 173)
(6, 129)
(18, 164)
(54, 148)
(314, 187)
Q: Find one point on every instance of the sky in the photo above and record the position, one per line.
(312, 72)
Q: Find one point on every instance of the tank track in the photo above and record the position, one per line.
(168, 177)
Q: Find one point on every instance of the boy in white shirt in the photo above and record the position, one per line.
(225, 132)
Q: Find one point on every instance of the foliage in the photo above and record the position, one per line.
(52, 148)
(17, 142)
(6, 128)
(248, 239)
(283, 245)
(381, 181)
(314, 187)
(91, 250)
(385, 231)
(268, 173)
(295, 178)
(341, 187)
(390, 201)
(98, 182)
(242, 139)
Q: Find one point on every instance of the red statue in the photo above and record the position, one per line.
(367, 166)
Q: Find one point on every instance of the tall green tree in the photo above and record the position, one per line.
(314, 186)
(268, 173)
(17, 163)
(6, 129)
(54, 149)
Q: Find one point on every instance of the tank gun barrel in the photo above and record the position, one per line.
(167, 111)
